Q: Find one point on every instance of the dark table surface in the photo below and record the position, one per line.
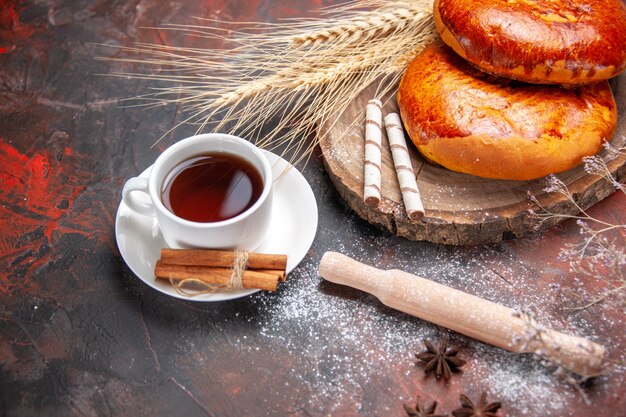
(81, 335)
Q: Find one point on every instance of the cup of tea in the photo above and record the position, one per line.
(210, 191)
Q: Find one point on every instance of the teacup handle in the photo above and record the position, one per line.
(142, 207)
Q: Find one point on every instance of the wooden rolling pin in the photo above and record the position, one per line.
(465, 313)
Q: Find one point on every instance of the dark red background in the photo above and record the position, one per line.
(81, 335)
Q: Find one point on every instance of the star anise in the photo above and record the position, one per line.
(440, 361)
(421, 410)
(482, 409)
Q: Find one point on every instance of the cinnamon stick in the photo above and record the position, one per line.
(280, 273)
(216, 276)
(221, 259)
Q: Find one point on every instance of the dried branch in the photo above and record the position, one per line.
(597, 256)
(534, 337)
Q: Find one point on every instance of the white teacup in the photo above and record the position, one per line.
(244, 231)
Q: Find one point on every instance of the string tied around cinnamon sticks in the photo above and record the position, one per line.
(235, 281)
(194, 272)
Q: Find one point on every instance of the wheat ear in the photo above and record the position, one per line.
(301, 75)
(358, 31)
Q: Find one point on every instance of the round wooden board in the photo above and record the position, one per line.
(460, 209)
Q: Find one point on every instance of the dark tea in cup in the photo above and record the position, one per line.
(210, 191)
(211, 187)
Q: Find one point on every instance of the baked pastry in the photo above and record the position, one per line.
(564, 42)
(472, 122)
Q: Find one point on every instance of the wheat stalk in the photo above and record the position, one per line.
(361, 30)
(301, 75)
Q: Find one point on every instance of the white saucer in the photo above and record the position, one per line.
(291, 232)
